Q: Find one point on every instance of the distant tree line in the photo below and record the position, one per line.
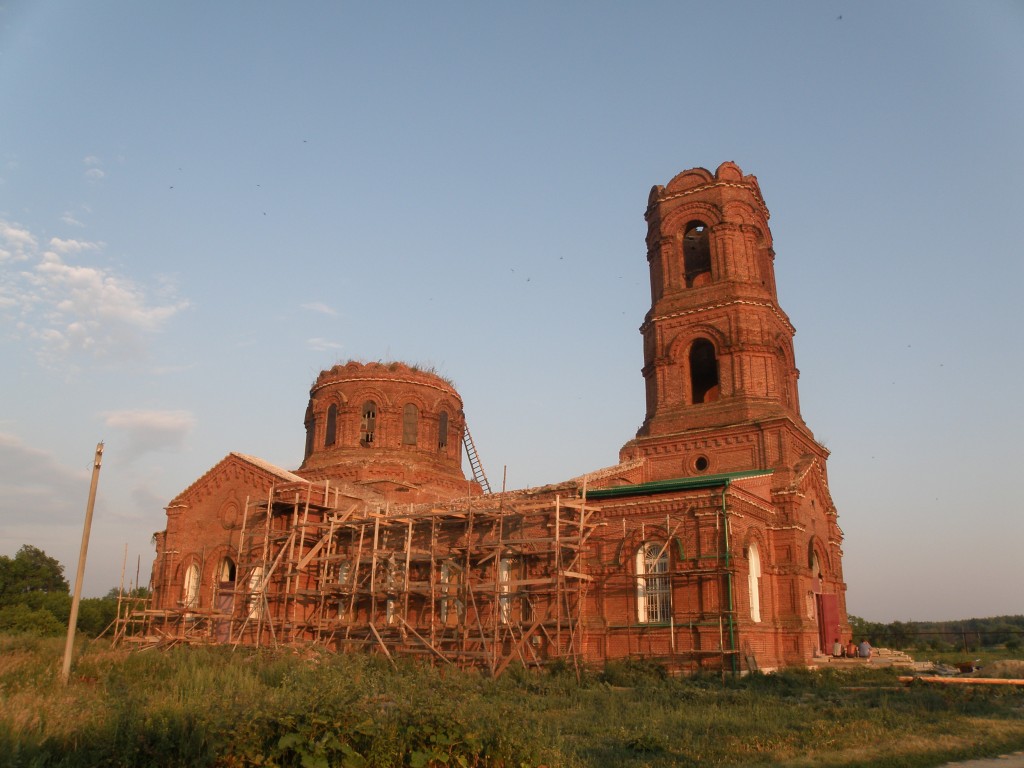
(35, 598)
(965, 634)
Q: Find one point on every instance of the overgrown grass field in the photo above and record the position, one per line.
(215, 707)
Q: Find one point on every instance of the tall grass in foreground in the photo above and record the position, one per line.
(215, 707)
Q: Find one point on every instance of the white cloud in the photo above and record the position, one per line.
(93, 170)
(322, 345)
(69, 309)
(323, 309)
(16, 244)
(73, 246)
(149, 431)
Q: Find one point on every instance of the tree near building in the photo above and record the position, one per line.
(30, 570)
(34, 595)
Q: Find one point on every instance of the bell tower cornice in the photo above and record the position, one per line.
(768, 305)
(724, 178)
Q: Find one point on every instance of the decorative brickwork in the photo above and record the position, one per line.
(386, 425)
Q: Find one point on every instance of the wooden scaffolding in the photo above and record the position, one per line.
(481, 582)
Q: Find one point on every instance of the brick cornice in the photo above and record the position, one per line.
(722, 305)
(703, 188)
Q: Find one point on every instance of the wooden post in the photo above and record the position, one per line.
(408, 557)
(558, 577)
(79, 577)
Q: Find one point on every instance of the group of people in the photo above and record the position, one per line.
(851, 650)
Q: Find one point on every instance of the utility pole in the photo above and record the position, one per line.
(76, 599)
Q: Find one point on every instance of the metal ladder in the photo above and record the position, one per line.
(474, 461)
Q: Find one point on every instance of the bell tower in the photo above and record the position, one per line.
(720, 375)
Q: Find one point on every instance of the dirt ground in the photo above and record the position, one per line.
(1010, 760)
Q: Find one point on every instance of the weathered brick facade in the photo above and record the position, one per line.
(713, 541)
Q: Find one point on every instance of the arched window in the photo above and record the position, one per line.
(226, 571)
(368, 426)
(653, 584)
(450, 604)
(703, 372)
(256, 591)
(696, 255)
(190, 589)
(754, 580)
(442, 429)
(816, 572)
(446, 585)
(331, 433)
(410, 424)
(505, 589)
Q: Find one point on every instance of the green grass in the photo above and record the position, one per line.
(215, 707)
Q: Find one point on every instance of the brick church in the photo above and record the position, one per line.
(713, 543)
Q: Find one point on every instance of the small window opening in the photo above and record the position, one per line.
(703, 372)
(410, 424)
(696, 255)
(331, 435)
(701, 463)
(368, 426)
(442, 430)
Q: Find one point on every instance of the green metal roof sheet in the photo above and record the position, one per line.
(675, 484)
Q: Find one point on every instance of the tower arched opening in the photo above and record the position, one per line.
(331, 431)
(696, 254)
(704, 385)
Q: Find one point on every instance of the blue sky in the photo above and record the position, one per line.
(202, 205)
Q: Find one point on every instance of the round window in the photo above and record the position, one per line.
(701, 463)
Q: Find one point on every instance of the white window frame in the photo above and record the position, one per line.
(653, 583)
(190, 589)
(256, 589)
(449, 581)
(754, 581)
(505, 566)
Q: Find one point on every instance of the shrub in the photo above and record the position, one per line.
(22, 619)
